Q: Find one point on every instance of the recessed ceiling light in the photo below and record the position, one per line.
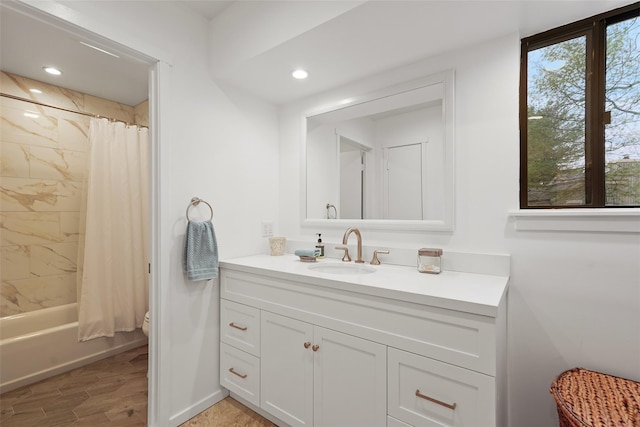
(299, 74)
(31, 114)
(52, 70)
(33, 90)
(99, 50)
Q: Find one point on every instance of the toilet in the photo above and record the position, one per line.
(145, 324)
(145, 330)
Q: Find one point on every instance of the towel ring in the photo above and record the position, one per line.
(194, 202)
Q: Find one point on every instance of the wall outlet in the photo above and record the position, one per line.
(267, 228)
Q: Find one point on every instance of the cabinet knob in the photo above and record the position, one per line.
(315, 347)
(307, 344)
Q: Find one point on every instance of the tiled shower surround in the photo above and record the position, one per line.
(43, 161)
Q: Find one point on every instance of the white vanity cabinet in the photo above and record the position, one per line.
(316, 376)
(350, 352)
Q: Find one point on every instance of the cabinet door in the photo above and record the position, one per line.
(350, 380)
(286, 384)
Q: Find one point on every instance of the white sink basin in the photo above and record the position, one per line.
(342, 268)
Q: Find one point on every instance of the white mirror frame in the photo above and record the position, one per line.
(444, 224)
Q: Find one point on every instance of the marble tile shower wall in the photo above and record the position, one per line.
(43, 161)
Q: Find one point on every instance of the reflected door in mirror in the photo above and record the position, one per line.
(403, 182)
(353, 173)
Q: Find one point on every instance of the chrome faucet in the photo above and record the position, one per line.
(344, 242)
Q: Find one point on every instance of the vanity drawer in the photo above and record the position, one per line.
(240, 326)
(240, 373)
(423, 392)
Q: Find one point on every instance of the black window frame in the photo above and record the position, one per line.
(594, 28)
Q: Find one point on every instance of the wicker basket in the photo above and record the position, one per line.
(587, 398)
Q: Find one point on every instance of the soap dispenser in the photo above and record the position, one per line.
(320, 246)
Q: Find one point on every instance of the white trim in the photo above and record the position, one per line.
(379, 224)
(198, 407)
(159, 355)
(612, 220)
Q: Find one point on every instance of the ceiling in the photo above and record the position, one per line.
(367, 38)
(27, 45)
(208, 9)
(255, 44)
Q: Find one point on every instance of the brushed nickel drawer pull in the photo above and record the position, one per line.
(242, 328)
(431, 399)
(307, 344)
(235, 373)
(315, 347)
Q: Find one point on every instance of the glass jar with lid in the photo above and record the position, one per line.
(430, 260)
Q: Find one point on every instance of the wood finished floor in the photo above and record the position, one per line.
(111, 392)
(228, 413)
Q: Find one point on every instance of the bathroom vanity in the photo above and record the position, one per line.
(361, 345)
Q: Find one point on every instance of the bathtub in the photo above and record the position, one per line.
(44, 343)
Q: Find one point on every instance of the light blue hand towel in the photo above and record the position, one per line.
(201, 251)
(307, 252)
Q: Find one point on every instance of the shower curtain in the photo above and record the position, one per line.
(113, 278)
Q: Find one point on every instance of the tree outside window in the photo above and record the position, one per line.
(580, 114)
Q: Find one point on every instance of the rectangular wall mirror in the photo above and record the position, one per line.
(384, 160)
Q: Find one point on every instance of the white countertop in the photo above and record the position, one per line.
(472, 293)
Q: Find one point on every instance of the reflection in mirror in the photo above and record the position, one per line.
(385, 158)
(353, 176)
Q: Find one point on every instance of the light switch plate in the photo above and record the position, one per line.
(267, 228)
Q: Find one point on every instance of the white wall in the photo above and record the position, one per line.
(574, 297)
(217, 144)
(324, 170)
(486, 125)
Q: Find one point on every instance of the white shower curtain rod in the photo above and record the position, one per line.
(97, 116)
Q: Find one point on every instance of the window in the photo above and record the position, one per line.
(580, 114)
